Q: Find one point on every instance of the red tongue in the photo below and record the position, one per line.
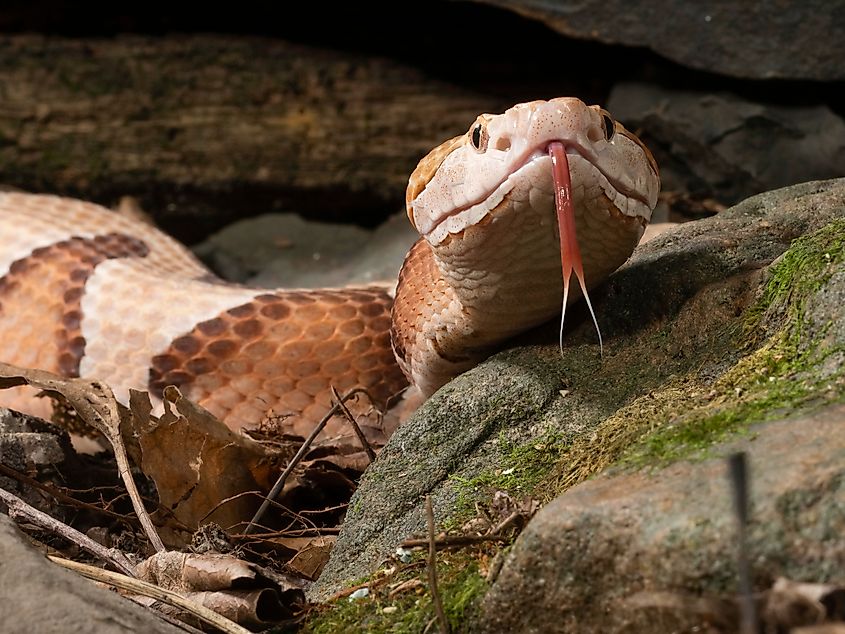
(570, 253)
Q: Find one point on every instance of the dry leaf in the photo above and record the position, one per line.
(232, 587)
(183, 572)
(312, 556)
(200, 467)
(96, 405)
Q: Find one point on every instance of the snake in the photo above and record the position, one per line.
(505, 213)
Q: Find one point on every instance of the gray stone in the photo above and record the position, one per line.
(39, 596)
(665, 315)
(284, 250)
(28, 445)
(447, 431)
(756, 40)
(605, 555)
(724, 147)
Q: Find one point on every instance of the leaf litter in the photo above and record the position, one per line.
(205, 483)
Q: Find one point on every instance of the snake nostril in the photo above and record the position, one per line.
(503, 143)
(595, 133)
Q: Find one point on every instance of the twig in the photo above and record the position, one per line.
(95, 403)
(61, 496)
(295, 532)
(373, 584)
(451, 541)
(280, 483)
(738, 472)
(432, 572)
(361, 437)
(146, 589)
(224, 501)
(510, 519)
(125, 472)
(20, 510)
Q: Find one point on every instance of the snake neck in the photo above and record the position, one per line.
(457, 301)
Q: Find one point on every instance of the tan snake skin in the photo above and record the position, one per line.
(88, 292)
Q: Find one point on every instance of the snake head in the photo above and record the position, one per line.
(463, 181)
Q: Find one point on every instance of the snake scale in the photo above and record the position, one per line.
(88, 292)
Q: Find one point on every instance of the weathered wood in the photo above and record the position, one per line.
(194, 124)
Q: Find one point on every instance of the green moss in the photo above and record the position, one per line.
(778, 374)
(460, 585)
(522, 468)
(782, 376)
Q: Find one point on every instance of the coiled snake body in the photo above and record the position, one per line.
(88, 292)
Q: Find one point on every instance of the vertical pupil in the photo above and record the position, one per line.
(476, 137)
(609, 127)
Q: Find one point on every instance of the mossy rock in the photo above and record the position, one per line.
(709, 329)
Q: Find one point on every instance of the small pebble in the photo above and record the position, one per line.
(360, 593)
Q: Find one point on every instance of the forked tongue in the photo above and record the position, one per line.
(570, 254)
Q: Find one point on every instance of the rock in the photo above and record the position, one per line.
(676, 361)
(39, 596)
(605, 554)
(30, 445)
(724, 147)
(447, 432)
(736, 39)
(284, 250)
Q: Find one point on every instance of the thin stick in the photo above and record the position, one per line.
(738, 472)
(143, 588)
(125, 472)
(61, 496)
(280, 483)
(432, 572)
(296, 532)
(373, 584)
(510, 519)
(21, 511)
(361, 437)
(452, 541)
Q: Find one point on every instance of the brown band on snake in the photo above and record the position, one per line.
(487, 268)
(53, 278)
(281, 353)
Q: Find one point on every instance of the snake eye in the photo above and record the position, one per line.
(608, 125)
(478, 137)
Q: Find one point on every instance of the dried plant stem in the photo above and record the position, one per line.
(125, 472)
(432, 570)
(143, 588)
(374, 584)
(57, 494)
(453, 541)
(738, 475)
(95, 403)
(361, 437)
(280, 482)
(21, 511)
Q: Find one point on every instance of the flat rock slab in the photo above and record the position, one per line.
(39, 596)
(285, 250)
(726, 147)
(756, 40)
(631, 553)
(666, 314)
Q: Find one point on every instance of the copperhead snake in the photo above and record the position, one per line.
(88, 292)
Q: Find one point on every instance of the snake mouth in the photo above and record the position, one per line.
(473, 212)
